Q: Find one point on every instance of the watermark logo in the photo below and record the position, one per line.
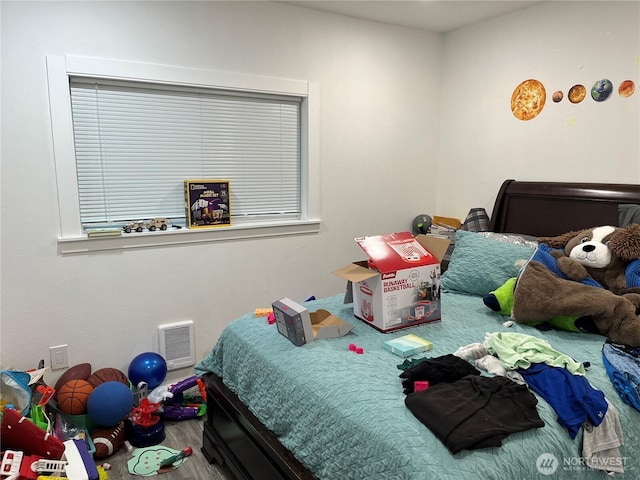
(547, 464)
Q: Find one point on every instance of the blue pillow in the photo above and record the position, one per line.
(480, 264)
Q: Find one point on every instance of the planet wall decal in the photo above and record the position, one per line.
(601, 90)
(528, 99)
(626, 88)
(577, 93)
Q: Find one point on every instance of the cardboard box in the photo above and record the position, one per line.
(398, 286)
(301, 326)
(207, 203)
(408, 345)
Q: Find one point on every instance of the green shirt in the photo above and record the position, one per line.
(517, 350)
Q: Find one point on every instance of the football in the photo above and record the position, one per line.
(107, 375)
(77, 372)
(108, 441)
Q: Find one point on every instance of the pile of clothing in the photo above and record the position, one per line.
(623, 367)
(467, 409)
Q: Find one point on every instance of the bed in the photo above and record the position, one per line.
(277, 411)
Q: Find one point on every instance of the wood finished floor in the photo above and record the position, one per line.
(179, 435)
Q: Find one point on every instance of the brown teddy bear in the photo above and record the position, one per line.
(569, 288)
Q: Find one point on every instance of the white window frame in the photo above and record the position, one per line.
(72, 238)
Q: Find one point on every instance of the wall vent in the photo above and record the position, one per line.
(176, 344)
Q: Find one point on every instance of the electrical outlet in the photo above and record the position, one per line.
(59, 357)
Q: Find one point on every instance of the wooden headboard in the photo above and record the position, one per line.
(552, 208)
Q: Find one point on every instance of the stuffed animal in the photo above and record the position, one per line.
(602, 253)
(501, 300)
(580, 275)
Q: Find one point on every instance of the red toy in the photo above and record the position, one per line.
(420, 385)
(11, 462)
(145, 415)
(146, 427)
(18, 465)
(19, 433)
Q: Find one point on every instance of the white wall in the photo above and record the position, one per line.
(379, 139)
(560, 44)
(405, 116)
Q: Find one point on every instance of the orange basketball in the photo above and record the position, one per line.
(73, 397)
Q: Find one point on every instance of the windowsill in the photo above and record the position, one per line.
(184, 236)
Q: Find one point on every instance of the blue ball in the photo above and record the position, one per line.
(109, 403)
(148, 367)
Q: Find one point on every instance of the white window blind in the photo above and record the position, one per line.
(135, 144)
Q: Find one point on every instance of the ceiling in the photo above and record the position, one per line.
(436, 16)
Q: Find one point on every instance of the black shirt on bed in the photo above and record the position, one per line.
(475, 411)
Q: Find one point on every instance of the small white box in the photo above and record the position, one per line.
(300, 326)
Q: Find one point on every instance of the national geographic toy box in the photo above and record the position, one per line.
(207, 203)
(301, 326)
(399, 285)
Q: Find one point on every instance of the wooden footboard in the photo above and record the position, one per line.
(233, 436)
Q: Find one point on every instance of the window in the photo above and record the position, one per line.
(136, 144)
(126, 135)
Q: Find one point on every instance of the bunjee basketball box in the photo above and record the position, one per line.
(207, 203)
(398, 285)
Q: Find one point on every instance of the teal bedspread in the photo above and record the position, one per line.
(343, 414)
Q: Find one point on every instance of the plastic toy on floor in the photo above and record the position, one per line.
(80, 464)
(177, 406)
(19, 433)
(15, 390)
(75, 464)
(155, 460)
(144, 426)
(168, 464)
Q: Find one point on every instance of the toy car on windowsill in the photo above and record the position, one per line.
(137, 226)
(152, 225)
(161, 223)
